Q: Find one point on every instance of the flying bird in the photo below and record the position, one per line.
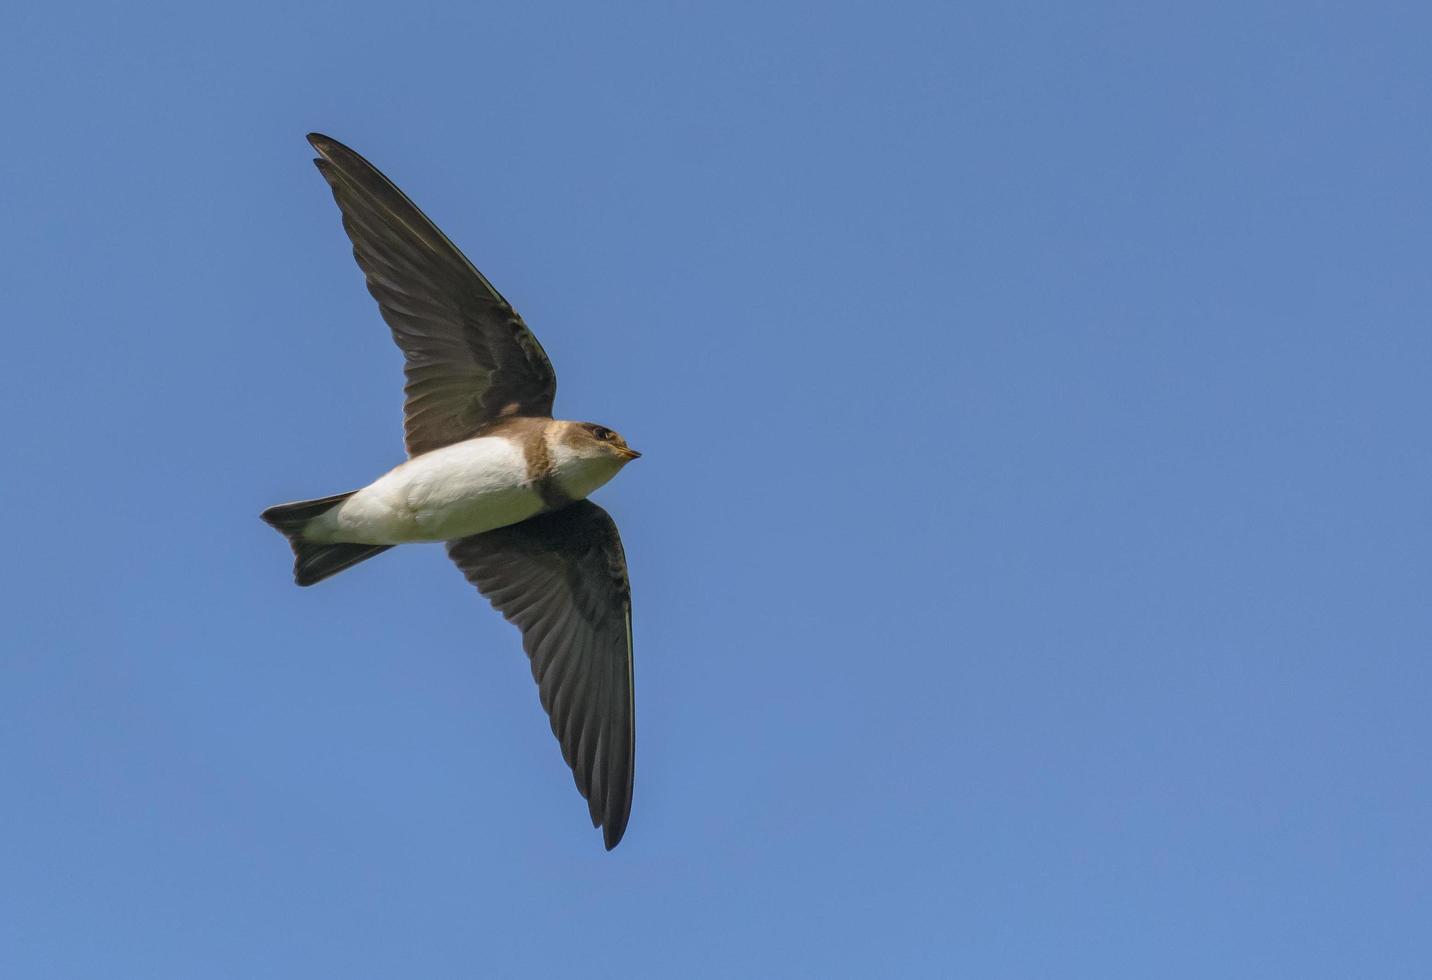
(491, 473)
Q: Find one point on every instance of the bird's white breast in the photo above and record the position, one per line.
(449, 493)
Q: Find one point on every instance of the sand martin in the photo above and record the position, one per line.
(492, 474)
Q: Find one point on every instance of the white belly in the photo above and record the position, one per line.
(462, 489)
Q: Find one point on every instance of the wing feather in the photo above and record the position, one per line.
(470, 358)
(561, 579)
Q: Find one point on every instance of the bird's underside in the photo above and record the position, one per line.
(559, 576)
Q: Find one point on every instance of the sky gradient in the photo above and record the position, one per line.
(1029, 554)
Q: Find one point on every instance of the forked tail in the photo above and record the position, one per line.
(314, 561)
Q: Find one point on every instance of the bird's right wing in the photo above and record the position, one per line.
(470, 358)
(562, 579)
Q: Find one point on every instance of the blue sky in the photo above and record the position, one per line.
(1030, 552)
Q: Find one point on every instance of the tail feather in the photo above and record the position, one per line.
(315, 561)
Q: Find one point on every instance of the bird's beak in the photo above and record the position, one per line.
(629, 453)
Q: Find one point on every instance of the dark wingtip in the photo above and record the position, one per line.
(330, 151)
(613, 832)
(329, 147)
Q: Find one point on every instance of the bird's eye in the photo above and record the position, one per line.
(601, 433)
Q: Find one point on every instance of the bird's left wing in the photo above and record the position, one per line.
(470, 358)
(562, 579)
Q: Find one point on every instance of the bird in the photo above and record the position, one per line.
(492, 474)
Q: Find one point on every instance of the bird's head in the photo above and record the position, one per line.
(593, 441)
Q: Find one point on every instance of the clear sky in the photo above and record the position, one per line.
(1030, 555)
